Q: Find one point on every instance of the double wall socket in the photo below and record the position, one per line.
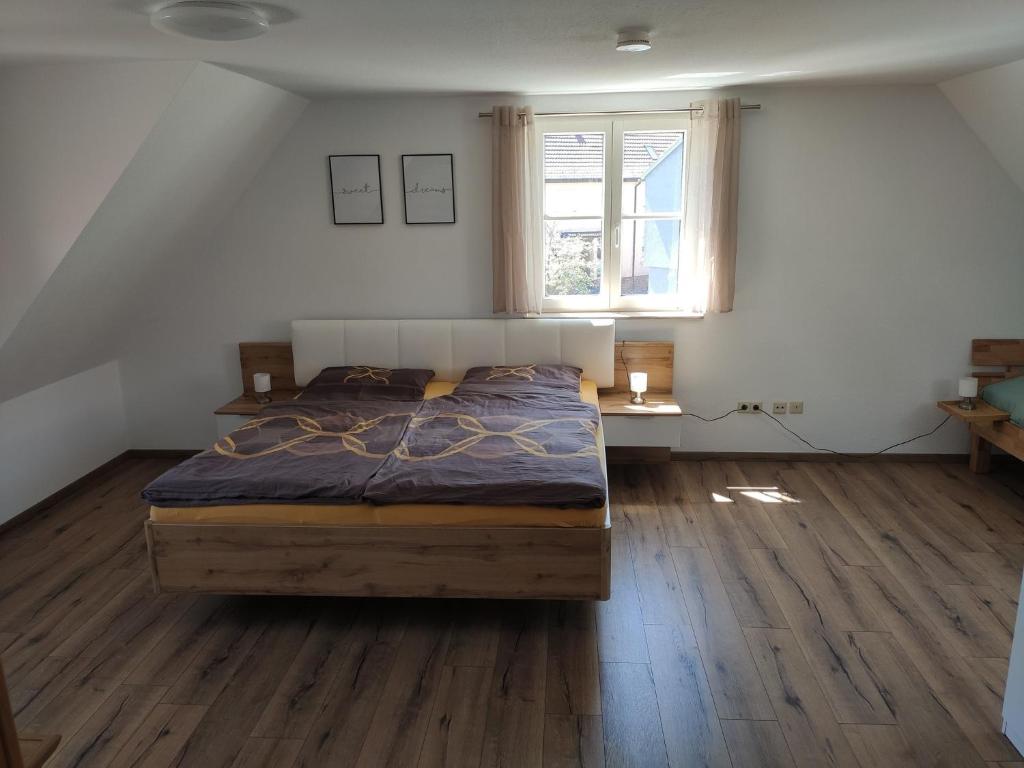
(779, 407)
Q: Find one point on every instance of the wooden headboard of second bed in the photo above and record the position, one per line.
(1004, 353)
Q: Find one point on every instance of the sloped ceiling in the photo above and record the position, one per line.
(67, 134)
(992, 103)
(211, 136)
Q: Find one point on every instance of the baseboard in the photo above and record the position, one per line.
(945, 458)
(617, 454)
(160, 453)
(75, 485)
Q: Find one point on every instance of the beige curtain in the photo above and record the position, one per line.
(515, 211)
(712, 188)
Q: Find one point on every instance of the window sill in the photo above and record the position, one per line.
(661, 314)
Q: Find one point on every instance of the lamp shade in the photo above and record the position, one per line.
(261, 382)
(968, 387)
(638, 381)
(210, 20)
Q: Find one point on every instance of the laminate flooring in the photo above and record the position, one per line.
(762, 614)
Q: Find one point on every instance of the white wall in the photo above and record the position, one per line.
(117, 171)
(278, 256)
(992, 103)
(67, 134)
(877, 237)
(208, 144)
(53, 435)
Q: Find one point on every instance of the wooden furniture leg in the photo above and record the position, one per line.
(24, 751)
(981, 454)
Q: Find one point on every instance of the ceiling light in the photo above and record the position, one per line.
(210, 20)
(704, 74)
(633, 41)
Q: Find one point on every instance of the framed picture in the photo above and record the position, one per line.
(429, 184)
(355, 189)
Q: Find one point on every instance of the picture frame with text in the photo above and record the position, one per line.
(356, 196)
(428, 184)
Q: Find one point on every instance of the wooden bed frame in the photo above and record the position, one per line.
(1009, 355)
(550, 563)
(391, 561)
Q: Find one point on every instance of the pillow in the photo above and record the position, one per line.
(522, 379)
(367, 382)
(1007, 395)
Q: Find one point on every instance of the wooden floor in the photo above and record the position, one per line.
(762, 614)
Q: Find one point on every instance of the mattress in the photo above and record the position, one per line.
(463, 515)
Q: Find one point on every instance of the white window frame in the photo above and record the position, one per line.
(610, 298)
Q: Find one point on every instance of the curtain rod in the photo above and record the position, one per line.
(620, 112)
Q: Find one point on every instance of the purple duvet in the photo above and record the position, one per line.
(496, 450)
(320, 452)
(493, 448)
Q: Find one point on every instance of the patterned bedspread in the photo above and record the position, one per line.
(476, 448)
(492, 449)
(318, 452)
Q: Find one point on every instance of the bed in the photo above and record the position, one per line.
(409, 549)
(1003, 390)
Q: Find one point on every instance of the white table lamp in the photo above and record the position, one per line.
(968, 390)
(261, 386)
(638, 385)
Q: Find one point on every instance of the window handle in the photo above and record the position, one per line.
(616, 235)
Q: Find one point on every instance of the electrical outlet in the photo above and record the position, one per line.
(757, 406)
(744, 406)
(778, 407)
(796, 406)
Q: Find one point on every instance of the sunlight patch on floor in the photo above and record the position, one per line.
(769, 494)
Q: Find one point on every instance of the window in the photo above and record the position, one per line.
(613, 204)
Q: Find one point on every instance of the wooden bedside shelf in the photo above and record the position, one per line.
(658, 404)
(246, 405)
(640, 434)
(983, 413)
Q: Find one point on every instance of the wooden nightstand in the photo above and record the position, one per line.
(273, 357)
(640, 433)
(982, 413)
(246, 405)
(979, 420)
(231, 416)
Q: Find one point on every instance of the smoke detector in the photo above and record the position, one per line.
(210, 20)
(634, 41)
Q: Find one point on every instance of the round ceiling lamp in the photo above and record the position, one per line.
(633, 41)
(210, 20)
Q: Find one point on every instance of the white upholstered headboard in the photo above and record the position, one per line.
(450, 347)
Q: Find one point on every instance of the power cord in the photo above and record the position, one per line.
(715, 418)
(802, 439)
(809, 444)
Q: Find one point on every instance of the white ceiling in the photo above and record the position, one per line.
(319, 47)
